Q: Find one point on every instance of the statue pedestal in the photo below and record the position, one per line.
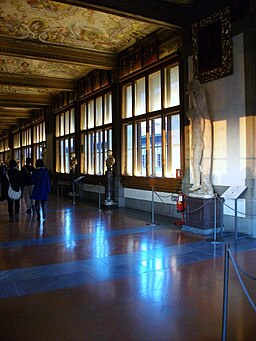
(109, 190)
(200, 215)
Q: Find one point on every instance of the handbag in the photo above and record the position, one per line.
(11, 193)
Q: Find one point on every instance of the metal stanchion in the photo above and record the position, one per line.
(215, 218)
(225, 294)
(73, 191)
(99, 198)
(153, 209)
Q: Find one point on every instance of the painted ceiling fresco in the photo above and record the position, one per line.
(9, 89)
(34, 67)
(50, 22)
(46, 46)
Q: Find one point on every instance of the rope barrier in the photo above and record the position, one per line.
(232, 209)
(246, 274)
(241, 281)
(228, 255)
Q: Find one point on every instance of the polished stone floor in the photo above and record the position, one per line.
(84, 274)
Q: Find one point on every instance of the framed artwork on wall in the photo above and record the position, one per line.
(212, 47)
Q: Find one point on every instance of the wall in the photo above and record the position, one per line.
(231, 162)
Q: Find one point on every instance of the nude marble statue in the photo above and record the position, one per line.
(201, 139)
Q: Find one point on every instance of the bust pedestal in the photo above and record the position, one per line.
(109, 190)
(200, 215)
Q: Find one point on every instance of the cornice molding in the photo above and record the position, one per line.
(30, 102)
(38, 82)
(62, 54)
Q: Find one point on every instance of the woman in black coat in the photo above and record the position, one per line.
(15, 179)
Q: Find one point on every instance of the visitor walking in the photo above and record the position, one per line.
(27, 171)
(14, 178)
(41, 188)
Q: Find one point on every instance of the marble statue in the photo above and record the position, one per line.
(201, 139)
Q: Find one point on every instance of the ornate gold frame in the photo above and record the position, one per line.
(212, 47)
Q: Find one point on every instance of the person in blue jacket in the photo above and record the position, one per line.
(41, 188)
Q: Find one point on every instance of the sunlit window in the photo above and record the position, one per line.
(4, 150)
(26, 144)
(127, 165)
(151, 144)
(140, 96)
(154, 95)
(171, 86)
(140, 148)
(127, 101)
(64, 130)
(96, 137)
(39, 138)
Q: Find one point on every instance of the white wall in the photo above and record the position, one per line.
(226, 99)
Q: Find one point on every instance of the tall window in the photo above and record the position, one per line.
(96, 133)
(39, 140)
(64, 131)
(26, 144)
(16, 147)
(151, 124)
(4, 150)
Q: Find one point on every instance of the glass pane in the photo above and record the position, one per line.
(154, 91)
(72, 146)
(172, 145)
(99, 111)
(67, 122)
(72, 120)
(91, 114)
(91, 154)
(44, 132)
(57, 127)
(62, 156)
(108, 108)
(156, 147)
(66, 156)
(99, 153)
(140, 149)
(83, 117)
(62, 124)
(140, 97)
(85, 154)
(82, 154)
(57, 156)
(127, 101)
(171, 81)
(129, 159)
(34, 135)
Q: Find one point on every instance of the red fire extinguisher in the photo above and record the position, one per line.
(181, 203)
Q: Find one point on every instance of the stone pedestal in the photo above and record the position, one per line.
(109, 190)
(199, 217)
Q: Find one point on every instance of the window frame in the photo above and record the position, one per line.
(138, 180)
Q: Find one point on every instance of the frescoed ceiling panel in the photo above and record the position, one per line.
(49, 22)
(26, 66)
(46, 46)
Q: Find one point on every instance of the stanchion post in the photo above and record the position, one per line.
(225, 293)
(215, 217)
(73, 191)
(99, 199)
(152, 208)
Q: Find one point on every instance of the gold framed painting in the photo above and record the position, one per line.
(212, 47)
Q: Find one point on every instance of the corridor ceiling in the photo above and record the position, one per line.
(46, 46)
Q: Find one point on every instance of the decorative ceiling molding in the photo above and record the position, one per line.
(22, 48)
(38, 82)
